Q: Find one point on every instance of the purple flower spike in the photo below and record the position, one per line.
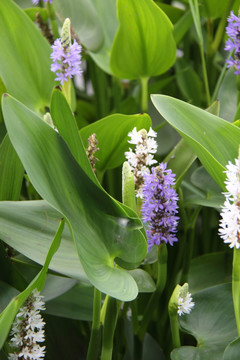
(160, 206)
(66, 62)
(35, 2)
(233, 43)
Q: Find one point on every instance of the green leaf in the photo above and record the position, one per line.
(103, 230)
(107, 15)
(11, 172)
(29, 227)
(111, 133)
(144, 45)
(76, 303)
(203, 132)
(25, 58)
(9, 313)
(66, 124)
(209, 270)
(144, 281)
(232, 350)
(182, 26)
(228, 96)
(211, 322)
(84, 20)
(7, 292)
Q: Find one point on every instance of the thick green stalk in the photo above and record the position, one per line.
(144, 99)
(236, 286)
(110, 322)
(175, 330)
(53, 20)
(93, 348)
(161, 282)
(66, 88)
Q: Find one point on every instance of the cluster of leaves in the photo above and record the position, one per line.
(45, 176)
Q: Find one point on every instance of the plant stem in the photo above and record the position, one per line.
(161, 282)
(110, 322)
(236, 286)
(144, 99)
(205, 77)
(53, 20)
(66, 88)
(94, 342)
(175, 330)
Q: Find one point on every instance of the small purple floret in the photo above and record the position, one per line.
(160, 206)
(66, 63)
(233, 43)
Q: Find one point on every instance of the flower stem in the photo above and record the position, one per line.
(66, 88)
(144, 100)
(236, 286)
(110, 322)
(161, 282)
(175, 330)
(53, 20)
(94, 342)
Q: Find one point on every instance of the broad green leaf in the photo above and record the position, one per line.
(172, 12)
(209, 270)
(144, 281)
(9, 313)
(232, 350)
(29, 227)
(203, 132)
(180, 159)
(11, 171)
(214, 9)
(76, 303)
(189, 82)
(182, 26)
(228, 96)
(25, 58)
(66, 124)
(107, 15)
(103, 230)
(84, 20)
(211, 322)
(112, 135)
(7, 292)
(144, 45)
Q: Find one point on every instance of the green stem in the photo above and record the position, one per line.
(94, 342)
(236, 286)
(66, 88)
(53, 20)
(175, 330)
(219, 82)
(144, 99)
(161, 282)
(110, 322)
(205, 77)
(189, 245)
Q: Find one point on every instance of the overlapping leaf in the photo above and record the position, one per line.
(101, 228)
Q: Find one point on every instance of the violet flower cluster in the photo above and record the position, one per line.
(27, 330)
(229, 229)
(159, 208)
(66, 60)
(35, 2)
(233, 43)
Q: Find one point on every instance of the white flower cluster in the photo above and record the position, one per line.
(27, 330)
(229, 229)
(139, 160)
(185, 303)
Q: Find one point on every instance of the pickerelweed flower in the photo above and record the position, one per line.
(229, 229)
(233, 43)
(185, 303)
(159, 208)
(139, 160)
(35, 2)
(66, 56)
(27, 330)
